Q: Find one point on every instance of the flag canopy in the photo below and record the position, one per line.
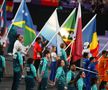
(67, 29)
(23, 20)
(90, 35)
(77, 46)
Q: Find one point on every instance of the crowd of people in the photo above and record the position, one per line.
(48, 68)
(98, 6)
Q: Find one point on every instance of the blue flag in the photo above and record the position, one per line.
(90, 35)
(89, 29)
(23, 20)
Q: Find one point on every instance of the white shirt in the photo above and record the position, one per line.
(53, 55)
(19, 45)
(86, 50)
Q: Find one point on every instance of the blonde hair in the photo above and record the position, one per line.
(53, 48)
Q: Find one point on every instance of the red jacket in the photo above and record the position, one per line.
(36, 51)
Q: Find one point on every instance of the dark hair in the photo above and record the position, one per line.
(91, 58)
(102, 85)
(30, 61)
(93, 81)
(38, 38)
(78, 76)
(85, 55)
(62, 45)
(46, 52)
(58, 63)
(103, 52)
(71, 65)
(18, 35)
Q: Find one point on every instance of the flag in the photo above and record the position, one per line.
(23, 20)
(9, 6)
(50, 28)
(1, 1)
(68, 27)
(49, 2)
(77, 46)
(3, 18)
(90, 35)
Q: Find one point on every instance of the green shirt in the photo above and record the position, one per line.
(69, 76)
(18, 61)
(63, 55)
(80, 84)
(31, 68)
(3, 63)
(45, 68)
(94, 87)
(60, 75)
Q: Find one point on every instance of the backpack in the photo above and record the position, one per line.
(28, 70)
(16, 61)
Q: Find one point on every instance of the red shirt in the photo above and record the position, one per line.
(36, 51)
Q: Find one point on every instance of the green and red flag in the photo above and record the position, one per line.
(68, 27)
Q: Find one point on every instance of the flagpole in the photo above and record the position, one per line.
(89, 22)
(2, 4)
(57, 28)
(86, 70)
(13, 20)
(69, 45)
(103, 48)
(2, 11)
(60, 28)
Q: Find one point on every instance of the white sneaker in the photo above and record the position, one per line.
(65, 87)
(22, 76)
(10, 54)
